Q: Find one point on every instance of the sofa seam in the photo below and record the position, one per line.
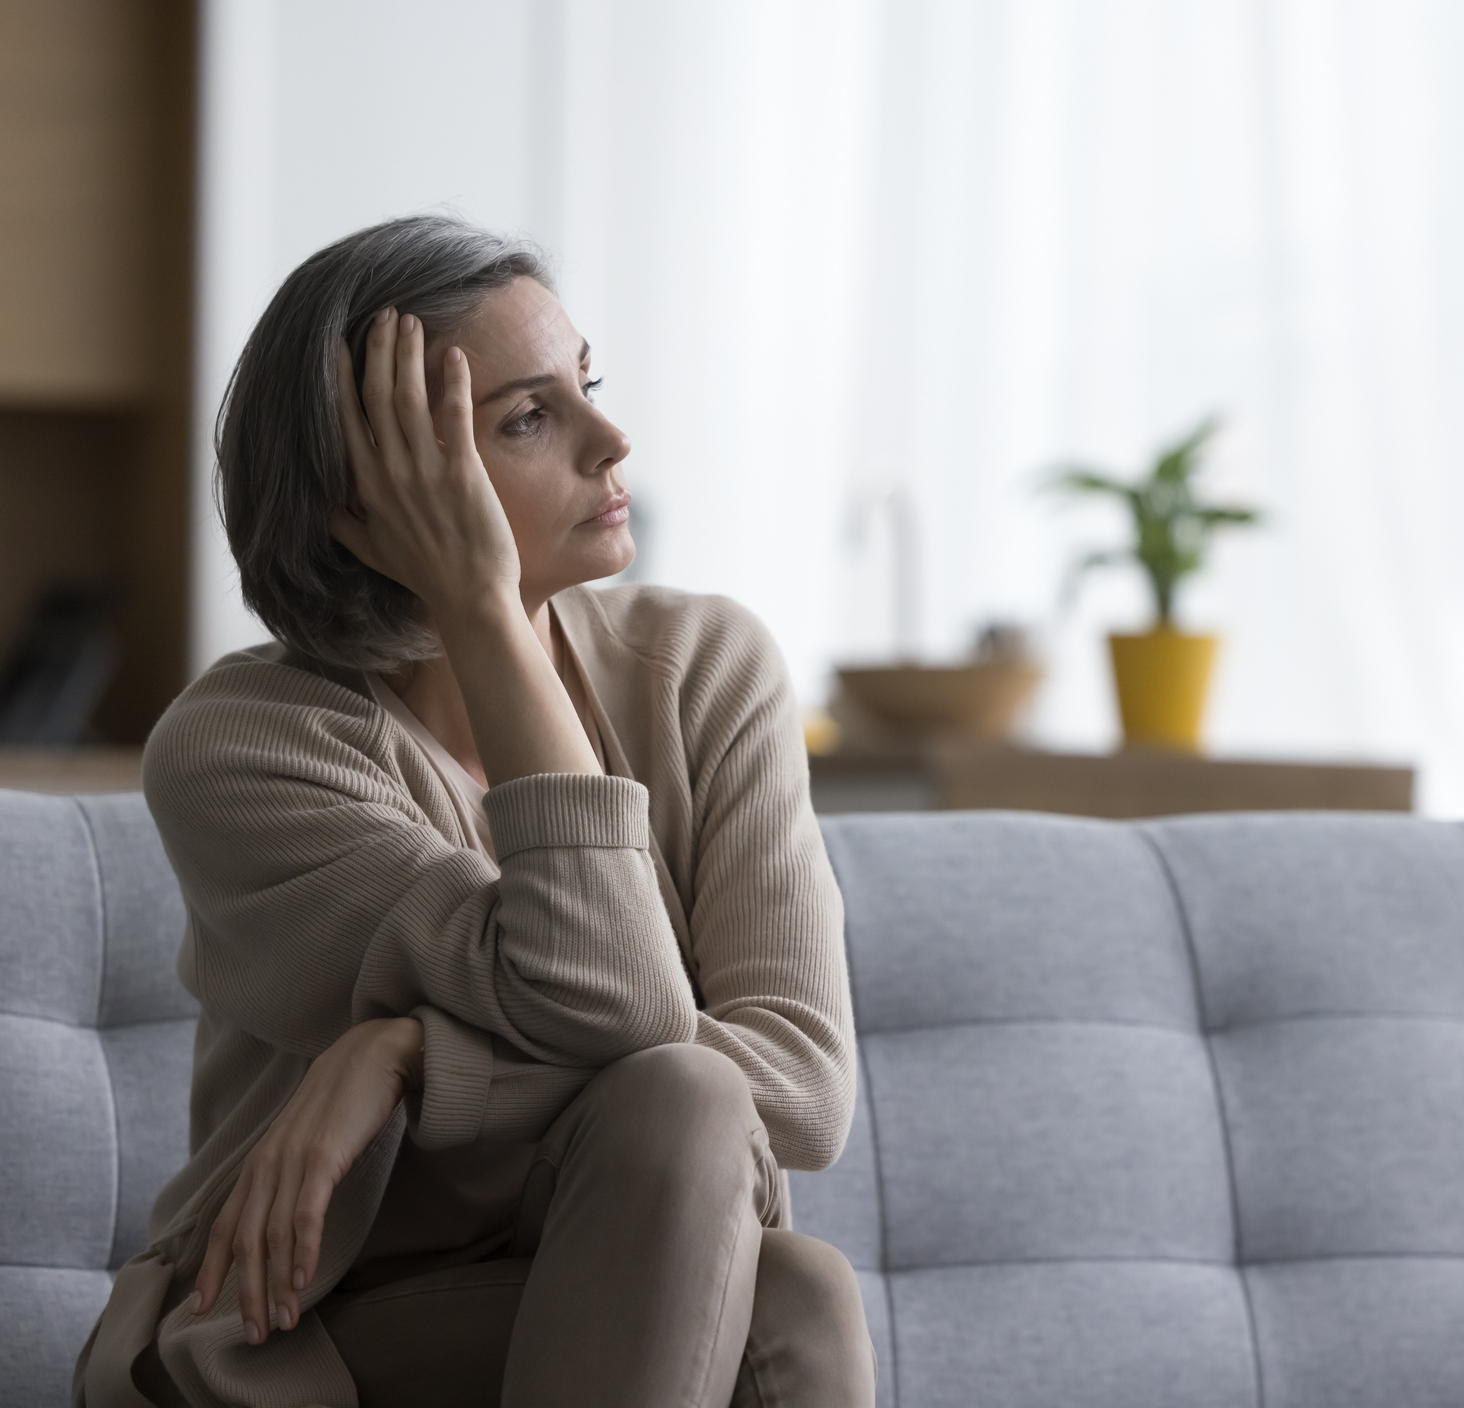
(957, 1024)
(874, 1144)
(94, 856)
(1214, 1263)
(96, 860)
(877, 1157)
(1222, 1114)
(1264, 1261)
(1423, 1018)
(82, 1027)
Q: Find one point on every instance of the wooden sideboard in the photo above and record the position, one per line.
(957, 774)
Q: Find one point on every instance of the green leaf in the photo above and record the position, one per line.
(1086, 481)
(1180, 460)
(1102, 559)
(1171, 525)
(1212, 517)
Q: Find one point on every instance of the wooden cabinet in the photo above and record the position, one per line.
(96, 237)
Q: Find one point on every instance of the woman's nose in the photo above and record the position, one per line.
(611, 444)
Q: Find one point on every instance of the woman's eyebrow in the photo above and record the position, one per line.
(527, 383)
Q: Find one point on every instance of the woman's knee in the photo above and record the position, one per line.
(683, 1083)
(808, 1280)
(808, 1341)
(672, 1106)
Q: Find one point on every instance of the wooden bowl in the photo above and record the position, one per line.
(981, 700)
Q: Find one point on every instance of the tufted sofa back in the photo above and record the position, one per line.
(96, 1049)
(1163, 1115)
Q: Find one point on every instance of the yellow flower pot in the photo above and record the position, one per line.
(1163, 678)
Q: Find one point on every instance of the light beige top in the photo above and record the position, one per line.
(451, 1207)
(329, 878)
(466, 792)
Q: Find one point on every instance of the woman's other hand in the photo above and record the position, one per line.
(429, 515)
(272, 1222)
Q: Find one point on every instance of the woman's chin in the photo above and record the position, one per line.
(608, 559)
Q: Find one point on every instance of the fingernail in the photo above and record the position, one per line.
(382, 316)
(251, 1332)
(286, 1319)
(298, 1279)
(409, 323)
(195, 1303)
(454, 356)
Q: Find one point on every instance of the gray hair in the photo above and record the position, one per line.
(282, 466)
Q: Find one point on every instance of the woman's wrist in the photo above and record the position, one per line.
(494, 609)
(404, 1045)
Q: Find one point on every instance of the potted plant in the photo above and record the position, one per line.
(1163, 675)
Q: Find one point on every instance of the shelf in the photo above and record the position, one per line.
(96, 240)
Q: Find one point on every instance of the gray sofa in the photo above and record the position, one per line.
(1163, 1115)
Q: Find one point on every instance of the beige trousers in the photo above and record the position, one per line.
(642, 1274)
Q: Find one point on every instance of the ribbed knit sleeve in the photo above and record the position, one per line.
(457, 1072)
(322, 894)
(766, 917)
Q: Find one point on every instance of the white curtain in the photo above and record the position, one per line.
(1117, 217)
(856, 272)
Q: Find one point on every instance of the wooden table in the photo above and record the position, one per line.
(961, 774)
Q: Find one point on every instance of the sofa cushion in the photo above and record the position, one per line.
(1375, 1332)
(1018, 1142)
(47, 1314)
(151, 1069)
(58, 1146)
(1149, 1114)
(50, 910)
(1056, 1334)
(96, 1046)
(141, 913)
(1166, 1113)
(960, 918)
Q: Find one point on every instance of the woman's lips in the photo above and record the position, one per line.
(617, 513)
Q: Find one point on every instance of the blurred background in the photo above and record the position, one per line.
(857, 275)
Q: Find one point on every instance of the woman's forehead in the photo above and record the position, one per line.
(520, 329)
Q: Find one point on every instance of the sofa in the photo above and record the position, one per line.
(1152, 1115)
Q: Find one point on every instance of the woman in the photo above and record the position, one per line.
(519, 958)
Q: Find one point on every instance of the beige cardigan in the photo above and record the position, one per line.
(685, 896)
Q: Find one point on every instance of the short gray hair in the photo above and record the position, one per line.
(282, 467)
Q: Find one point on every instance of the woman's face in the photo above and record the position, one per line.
(553, 457)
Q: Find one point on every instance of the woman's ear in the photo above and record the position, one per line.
(348, 528)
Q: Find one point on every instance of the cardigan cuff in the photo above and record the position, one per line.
(457, 1069)
(568, 809)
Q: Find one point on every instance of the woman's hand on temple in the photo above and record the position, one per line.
(429, 516)
(271, 1224)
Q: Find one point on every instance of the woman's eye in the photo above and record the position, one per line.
(527, 423)
(590, 387)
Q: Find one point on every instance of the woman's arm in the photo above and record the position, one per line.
(430, 519)
(322, 895)
(272, 1223)
(767, 920)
